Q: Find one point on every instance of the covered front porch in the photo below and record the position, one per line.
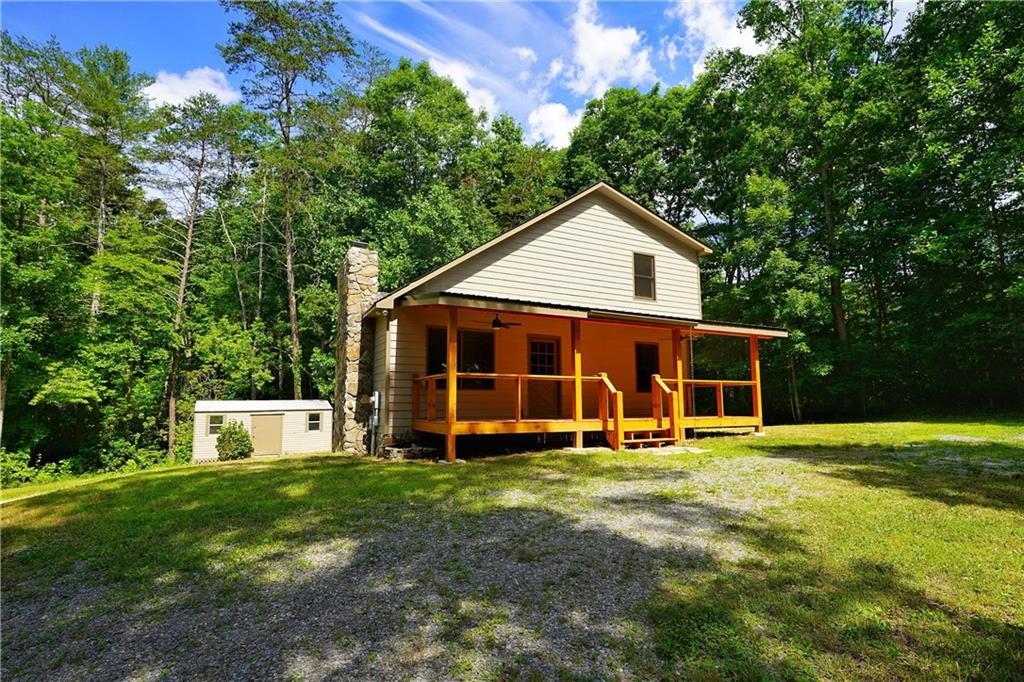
(495, 367)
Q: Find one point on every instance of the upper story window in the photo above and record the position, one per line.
(313, 421)
(213, 424)
(643, 276)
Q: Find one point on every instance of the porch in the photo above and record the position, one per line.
(497, 368)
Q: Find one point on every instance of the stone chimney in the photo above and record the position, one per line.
(353, 371)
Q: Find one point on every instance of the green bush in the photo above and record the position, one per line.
(129, 455)
(233, 442)
(16, 468)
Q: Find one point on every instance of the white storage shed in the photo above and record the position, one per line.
(277, 427)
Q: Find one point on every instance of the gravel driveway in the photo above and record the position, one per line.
(546, 579)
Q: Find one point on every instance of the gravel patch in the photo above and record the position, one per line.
(542, 581)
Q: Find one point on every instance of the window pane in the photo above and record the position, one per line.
(214, 423)
(313, 421)
(643, 265)
(437, 352)
(476, 354)
(643, 287)
(643, 275)
(646, 365)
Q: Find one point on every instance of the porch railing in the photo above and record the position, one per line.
(671, 410)
(660, 394)
(719, 386)
(431, 380)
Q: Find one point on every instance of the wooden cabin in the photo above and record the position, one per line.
(579, 320)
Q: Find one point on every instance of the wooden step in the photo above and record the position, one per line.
(644, 441)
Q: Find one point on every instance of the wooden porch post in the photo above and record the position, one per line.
(755, 376)
(677, 360)
(452, 382)
(577, 384)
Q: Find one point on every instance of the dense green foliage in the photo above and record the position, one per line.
(863, 190)
(233, 442)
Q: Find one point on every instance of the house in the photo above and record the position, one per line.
(579, 320)
(277, 427)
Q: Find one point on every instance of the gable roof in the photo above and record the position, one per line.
(601, 188)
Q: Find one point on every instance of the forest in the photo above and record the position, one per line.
(863, 189)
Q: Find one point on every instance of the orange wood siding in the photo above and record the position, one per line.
(604, 347)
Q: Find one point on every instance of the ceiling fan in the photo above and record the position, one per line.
(496, 323)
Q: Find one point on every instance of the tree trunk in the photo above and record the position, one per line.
(179, 309)
(5, 376)
(259, 272)
(835, 279)
(293, 311)
(101, 237)
(794, 392)
(241, 296)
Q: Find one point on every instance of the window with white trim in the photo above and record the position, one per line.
(213, 424)
(313, 421)
(643, 276)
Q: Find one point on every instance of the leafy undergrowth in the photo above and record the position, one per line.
(855, 551)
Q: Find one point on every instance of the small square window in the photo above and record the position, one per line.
(213, 424)
(313, 421)
(643, 276)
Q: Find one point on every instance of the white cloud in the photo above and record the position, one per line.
(553, 123)
(603, 54)
(709, 25)
(172, 88)
(463, 75)
(539, 91)
(525, 53)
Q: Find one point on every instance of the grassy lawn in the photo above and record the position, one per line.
(855, 551)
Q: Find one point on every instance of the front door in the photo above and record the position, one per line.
(544, 396)
(266, 434)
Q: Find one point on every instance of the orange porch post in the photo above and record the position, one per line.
(577, 384)
(452, 381)
(755, 376)
(677, 360)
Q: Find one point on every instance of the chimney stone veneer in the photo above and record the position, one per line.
(353, 374)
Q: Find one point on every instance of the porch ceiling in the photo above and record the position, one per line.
(699, 326)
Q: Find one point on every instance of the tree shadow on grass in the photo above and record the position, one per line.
(344, 568)
(790, 615)
(983, 474)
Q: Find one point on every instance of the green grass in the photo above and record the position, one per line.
(853, 551)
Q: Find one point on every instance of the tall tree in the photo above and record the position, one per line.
(114, 116)
(193, 147)
(284, 44)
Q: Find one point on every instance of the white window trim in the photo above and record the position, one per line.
(210, 425)
(319, 422)
(653, 277)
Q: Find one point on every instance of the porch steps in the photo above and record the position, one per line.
(636, 439)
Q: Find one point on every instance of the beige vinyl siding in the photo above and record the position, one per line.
(295, 439)
(380, 367)
(408, 358)
(582, 256)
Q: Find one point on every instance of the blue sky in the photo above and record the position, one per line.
(540, 62)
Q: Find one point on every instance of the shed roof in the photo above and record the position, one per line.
(261, 405)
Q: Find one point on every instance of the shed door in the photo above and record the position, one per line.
(266, 434)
